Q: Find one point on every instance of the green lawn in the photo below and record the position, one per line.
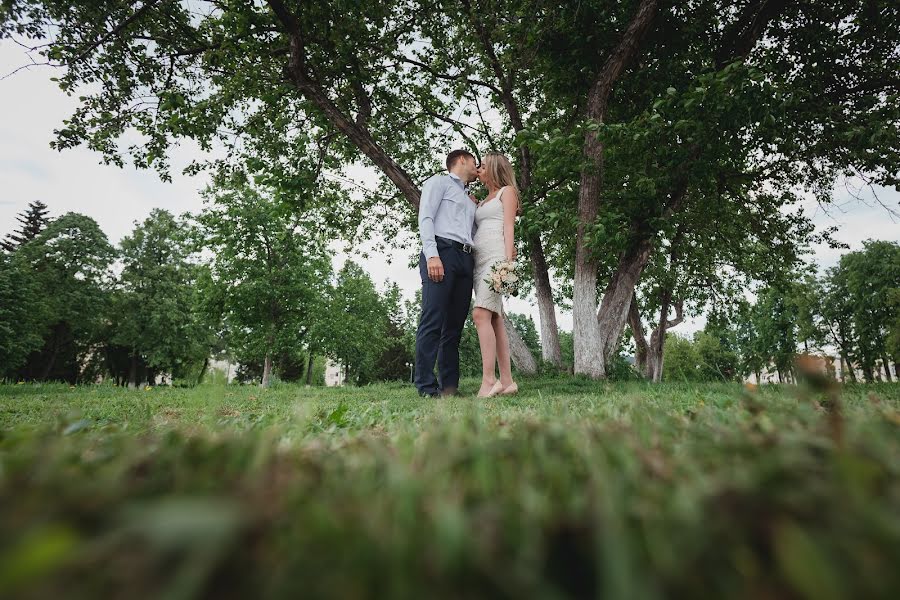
(571, 489)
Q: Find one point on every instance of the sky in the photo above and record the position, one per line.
(32, 106)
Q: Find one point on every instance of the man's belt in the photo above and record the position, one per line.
(464, 247)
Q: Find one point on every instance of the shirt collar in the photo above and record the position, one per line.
(458, 181)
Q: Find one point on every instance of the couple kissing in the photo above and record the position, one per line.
(463, 240)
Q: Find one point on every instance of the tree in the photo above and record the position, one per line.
(396, 355)
(270, 267)
(157, 313)
(806, 297)
(682, 360)
(69, 263)
(354, 331)
(33, 221)
(869, 277)
(752, 358)
(680, 130)
(774, 318)
(717, 359)
(20, 316)
(837, 320)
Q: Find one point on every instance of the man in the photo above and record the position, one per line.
(446, 220)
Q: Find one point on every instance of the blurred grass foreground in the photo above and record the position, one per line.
(573, 489)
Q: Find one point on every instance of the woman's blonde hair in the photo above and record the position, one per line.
(500, 172)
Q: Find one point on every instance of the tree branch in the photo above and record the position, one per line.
(747, 30)
(621, 56)
(458, 127)
(84, 51)
(679, 315)
(449, 77)
(298, 74)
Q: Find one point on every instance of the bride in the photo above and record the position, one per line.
(494, 241)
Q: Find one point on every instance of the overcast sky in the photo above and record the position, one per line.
(31, 107)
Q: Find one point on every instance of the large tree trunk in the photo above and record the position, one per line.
(613, 312)
(520, 355)
(887, 368)
(550, 349)
(596, 335)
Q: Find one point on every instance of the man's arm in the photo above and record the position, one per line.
(432, 194)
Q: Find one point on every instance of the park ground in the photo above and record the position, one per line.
(571, 489)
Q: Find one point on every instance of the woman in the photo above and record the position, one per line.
(494, 240)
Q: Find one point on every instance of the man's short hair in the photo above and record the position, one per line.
(456, 155)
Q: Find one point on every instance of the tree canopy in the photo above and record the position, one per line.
(633, 125)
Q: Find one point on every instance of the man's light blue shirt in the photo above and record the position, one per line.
(445, 210)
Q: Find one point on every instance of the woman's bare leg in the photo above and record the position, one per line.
(488, 344)
(503, 360)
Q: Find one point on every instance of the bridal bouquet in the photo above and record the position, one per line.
(504, 278)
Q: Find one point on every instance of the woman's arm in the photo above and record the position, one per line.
(510, 200)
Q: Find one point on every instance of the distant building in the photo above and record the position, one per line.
(821, 363)
(224, 366)
(335, 374)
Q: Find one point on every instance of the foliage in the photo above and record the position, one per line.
(573, 489)
(157, 314)
(69, 263)
(20, 316)
(353, 330)
(682, 360)
(849, 310)
(397, 354)
(870, 276)
(893, 340)
(717, 360)
(708, 356)
(269, 269)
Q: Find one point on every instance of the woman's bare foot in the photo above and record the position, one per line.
(512, 388)
(489, 389)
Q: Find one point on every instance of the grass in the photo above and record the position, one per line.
(571, 489)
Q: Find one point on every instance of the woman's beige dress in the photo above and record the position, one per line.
(489, 248)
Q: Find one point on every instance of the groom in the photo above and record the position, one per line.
(446, 219)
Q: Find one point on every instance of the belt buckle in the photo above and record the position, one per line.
(467, 248)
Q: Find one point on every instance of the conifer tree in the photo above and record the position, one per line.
(33, 221)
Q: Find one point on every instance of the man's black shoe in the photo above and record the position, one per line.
(450, 391)
(429, 395)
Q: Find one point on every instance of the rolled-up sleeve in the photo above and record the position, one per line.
(432, 193)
